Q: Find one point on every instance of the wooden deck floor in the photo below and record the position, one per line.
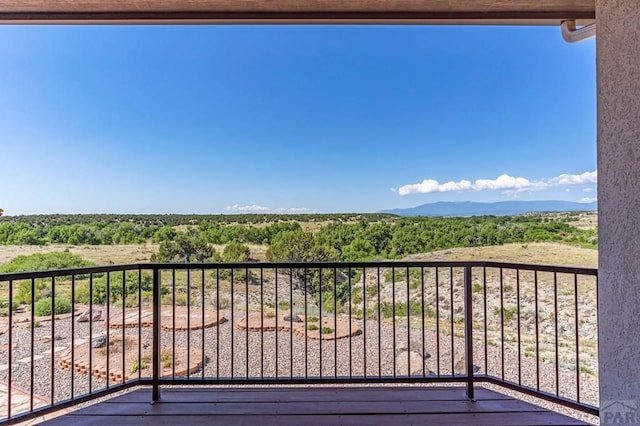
(314, 406)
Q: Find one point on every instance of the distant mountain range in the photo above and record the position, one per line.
(501, 208)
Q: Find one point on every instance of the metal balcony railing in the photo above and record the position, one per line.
(528, 328)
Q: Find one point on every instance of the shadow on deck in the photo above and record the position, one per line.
(311, 406)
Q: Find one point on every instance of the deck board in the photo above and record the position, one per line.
(327, 406)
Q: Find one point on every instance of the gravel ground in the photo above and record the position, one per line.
(281, 354)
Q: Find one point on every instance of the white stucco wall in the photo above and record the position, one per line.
(618, 70)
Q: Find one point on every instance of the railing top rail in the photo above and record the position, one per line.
(297, 265)
(15, 276)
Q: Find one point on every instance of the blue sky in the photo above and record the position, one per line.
(224, 119)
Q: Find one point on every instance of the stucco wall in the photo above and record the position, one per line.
(618, 69)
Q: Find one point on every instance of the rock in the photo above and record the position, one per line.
(415, 347)
(292, 318)
(86, 315)
(47, 339)
(99, 342)
(402, 364)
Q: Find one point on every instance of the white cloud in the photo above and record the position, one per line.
(588, 190)
(509, 184)
(254, 208)
(565, 179)
(294, 210)
(588, 200)
(501, 182)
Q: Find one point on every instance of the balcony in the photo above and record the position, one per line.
(408, 342)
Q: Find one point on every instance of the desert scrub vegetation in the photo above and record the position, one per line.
(44, 307)
(353, 237)
(507, 313)
(415, 308)
(44, 262)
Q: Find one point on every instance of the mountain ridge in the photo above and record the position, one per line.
(499, 208)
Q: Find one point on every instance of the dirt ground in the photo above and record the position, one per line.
(538, 253)
(108, 254)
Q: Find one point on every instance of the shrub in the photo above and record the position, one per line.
(23, 292)
(43, 306)
(326, 330)
(138, 365)
(312, 327)
(44, 261)
(181, 299)
(507, 314)
(4, 307)
(415, 309)
(312, 319)
(166, 358)
(284, 305)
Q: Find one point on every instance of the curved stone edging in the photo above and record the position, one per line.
(116, 375)
(342, 328)
(185, 319)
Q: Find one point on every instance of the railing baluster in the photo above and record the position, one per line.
(73, 334)
(379, 327)
(202, 308)
(234, 319)
(173, 322)
(306, 340)
(577, 323)
(422, 332)
(139, 360)
(320, 296)
(108, 302)
(155, 395)
(393, 311)
(485, 320)
(468, 333)
(10, 351)
(408, 324)
(555, 326)
(246, 319)
(217, 327)
(364, 348)
(90, 331)
(535, 282)
(502, 322)
(277, 330)
(262, 322)
(335, 322)
(53, 337)
(364, 323)
(188, 325)
(124, 302)
(453, 349)
(518, 325)
(290, 321)
(437, 278)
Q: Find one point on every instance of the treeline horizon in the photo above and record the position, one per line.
(349, 237)
(178, 219)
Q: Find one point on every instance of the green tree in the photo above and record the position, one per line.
(236, 252)
(184, 248)
(299, 246)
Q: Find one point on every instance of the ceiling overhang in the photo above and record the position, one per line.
(525, 12)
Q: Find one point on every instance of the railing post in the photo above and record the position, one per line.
(156, 336)
(468, 332)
